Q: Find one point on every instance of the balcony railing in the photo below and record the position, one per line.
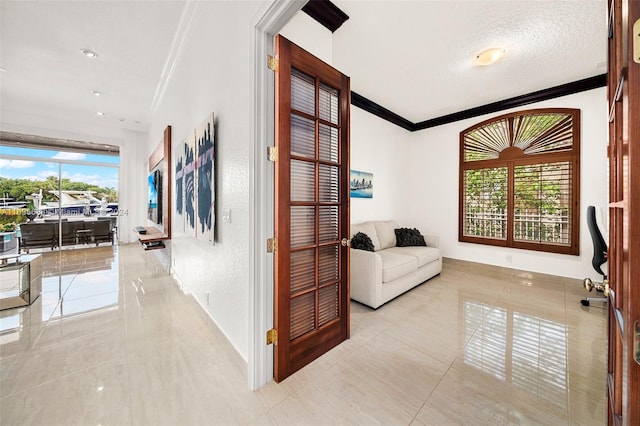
(528, 226)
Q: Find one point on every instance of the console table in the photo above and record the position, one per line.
(20, 280)
(153, 238)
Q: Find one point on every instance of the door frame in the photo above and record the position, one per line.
(270, 19)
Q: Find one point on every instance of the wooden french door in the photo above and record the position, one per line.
(623, 82)
(311, 313)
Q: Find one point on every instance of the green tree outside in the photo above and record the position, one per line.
(19, 189)
(540, 201)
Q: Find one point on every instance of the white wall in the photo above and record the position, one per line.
(433, 204)
(134, 166)
(311, 36)
(381, 148)
(213, 74)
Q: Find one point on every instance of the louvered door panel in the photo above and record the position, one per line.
(303, 315)
(328, 305)
(303, 270)
(328, 104)
(303, 181)
(302, 137)
(303, 92)
(303, 231)
(329, 223)
(328, 264)
(328, 143)
(329, 183)
(312, 208)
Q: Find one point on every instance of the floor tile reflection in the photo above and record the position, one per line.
(113, 340)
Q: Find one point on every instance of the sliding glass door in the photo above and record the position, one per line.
(56, 199)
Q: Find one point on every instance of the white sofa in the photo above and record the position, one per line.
(380, 275)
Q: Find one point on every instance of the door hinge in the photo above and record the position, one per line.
(272, 153)
(272, 63)
(636, 41)
(272, 245)
(272, 336)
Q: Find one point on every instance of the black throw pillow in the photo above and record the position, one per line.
(361, 241)
(406, 237)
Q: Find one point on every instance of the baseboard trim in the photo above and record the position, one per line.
(510, 272)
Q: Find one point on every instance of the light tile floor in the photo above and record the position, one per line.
(113, 340)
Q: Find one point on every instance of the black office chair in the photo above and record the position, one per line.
(599, 259)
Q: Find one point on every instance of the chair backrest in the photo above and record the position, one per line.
(599, 244)
(38, 231)
(100, 227)
(69, 230)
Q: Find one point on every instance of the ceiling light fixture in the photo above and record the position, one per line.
(489, 56)
(2, 69)
(89, 53)
(97, 93)
(100, 113)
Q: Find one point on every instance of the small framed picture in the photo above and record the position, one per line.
(361, 184)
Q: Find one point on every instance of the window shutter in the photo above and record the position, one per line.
(485, 213)
(542, 203)
(519, 181)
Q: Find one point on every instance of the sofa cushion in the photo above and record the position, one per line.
(386, 234)
(361, 241)
(370, 230)
(424, 255)
(409, 237)
(396, 265)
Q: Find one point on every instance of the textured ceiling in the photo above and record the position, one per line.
(47, 75)
(414, 58)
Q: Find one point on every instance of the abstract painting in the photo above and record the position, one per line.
(189, 184)
(205, 179)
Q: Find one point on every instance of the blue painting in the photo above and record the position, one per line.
(179, 219)
(205, 179)
(188, 184)
(361, 184)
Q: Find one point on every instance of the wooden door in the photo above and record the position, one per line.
(624, 208)
(311, 313)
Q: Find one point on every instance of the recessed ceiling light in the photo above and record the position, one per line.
(2, 69)
(100, 113)
(89, 53)
(489, 56)
(97, 93)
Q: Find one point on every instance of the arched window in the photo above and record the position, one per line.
(520, 181)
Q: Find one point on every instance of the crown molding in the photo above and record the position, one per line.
(183, 32)
(326, 13)
(376, 109)
(517, 101)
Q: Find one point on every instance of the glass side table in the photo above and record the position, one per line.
(20, 280)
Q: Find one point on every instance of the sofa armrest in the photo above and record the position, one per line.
(432, 240)
(366, 277)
